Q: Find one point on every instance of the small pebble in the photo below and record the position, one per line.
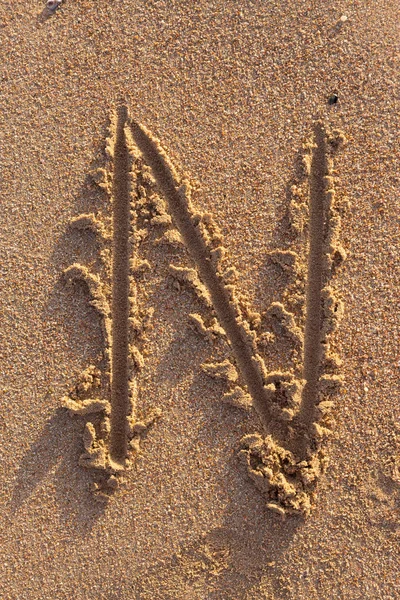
(333, 98)
(53, 4)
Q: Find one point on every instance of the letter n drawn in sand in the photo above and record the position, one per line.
(285, 456)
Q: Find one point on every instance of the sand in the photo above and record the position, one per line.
(250, 233)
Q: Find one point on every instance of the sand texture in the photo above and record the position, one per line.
(200, 283)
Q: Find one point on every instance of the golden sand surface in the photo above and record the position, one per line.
(236, 93)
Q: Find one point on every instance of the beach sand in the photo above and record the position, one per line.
(232, 91)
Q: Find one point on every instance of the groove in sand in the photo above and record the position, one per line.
(120, 297)
(178, 206)
(318, 223)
